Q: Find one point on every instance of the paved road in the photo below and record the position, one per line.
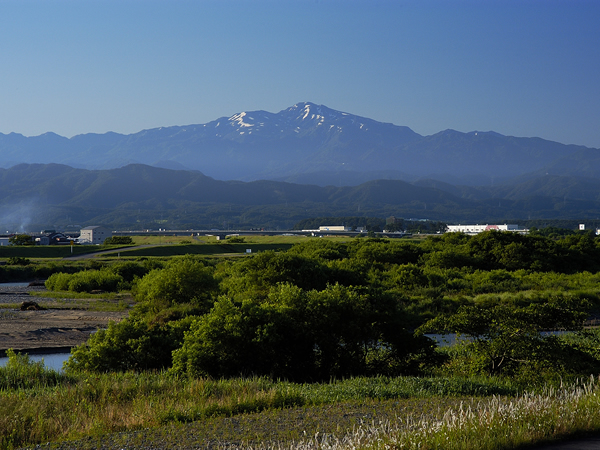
(114, 250)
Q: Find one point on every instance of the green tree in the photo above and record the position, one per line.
(21, 239)
(119, 240)
(254, 277)
(131, 344)
(184, 279)
(322, 249)
(299, 335)
(384, 252)
(508, 340)
(129, 270)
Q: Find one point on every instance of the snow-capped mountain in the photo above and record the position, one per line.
(308, 143)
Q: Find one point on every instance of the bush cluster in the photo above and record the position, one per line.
(331, 309)
(114, 278)
(86, 281)
(119, 240)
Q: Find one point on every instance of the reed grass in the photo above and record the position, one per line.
(493, 423)
(82, 404)
(39, 405)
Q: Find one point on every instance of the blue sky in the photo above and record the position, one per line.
(521, 68)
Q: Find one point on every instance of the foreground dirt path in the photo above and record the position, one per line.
(51, 329)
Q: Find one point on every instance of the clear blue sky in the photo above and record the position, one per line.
(521, 68)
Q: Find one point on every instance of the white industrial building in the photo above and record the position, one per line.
(474, 229)
(94, 235)
(334, 228)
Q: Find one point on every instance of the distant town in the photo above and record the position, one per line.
(97, 234)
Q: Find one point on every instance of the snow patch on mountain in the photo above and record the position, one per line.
(239, 119)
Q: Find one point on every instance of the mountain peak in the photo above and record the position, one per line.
(303, 138)
(306, 108)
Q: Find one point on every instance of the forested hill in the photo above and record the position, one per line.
(140, 196)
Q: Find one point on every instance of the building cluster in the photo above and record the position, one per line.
(337, 229)
(475, 229)
(94, 235)
(334, 228)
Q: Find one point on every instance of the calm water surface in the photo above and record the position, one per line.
(15, 284)
(52, 360)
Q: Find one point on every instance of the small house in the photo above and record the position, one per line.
(53, 238)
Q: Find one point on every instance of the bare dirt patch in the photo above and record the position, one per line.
(51, 329)
(48, 329)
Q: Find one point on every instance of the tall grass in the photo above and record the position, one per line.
(39, 405)
(20, 372)
(84, 404)
(493, 423)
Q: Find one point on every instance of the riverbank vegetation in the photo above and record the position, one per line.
(356, 310)
(136, 410)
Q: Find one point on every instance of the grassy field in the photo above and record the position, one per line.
(164, 246)
(38, 405)
(155, 410)
(259, 239)
(193, 249)
(44, 251)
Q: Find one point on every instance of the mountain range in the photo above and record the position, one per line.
(259, 169)
(312, 144)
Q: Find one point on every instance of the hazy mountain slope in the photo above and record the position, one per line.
(59, 193)
(585, 162)
(551, 186)
(547, 187)
(483, 153)
(140, 196)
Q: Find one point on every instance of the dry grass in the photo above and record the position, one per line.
(493, 423)
(154, 410)
(85, 404)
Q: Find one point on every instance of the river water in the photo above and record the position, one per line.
(14, 284)
(52, 360)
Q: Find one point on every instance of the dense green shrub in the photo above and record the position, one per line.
(129, 345)
(335, 309)
(85, 281)
(18, 261)
(494, 281)
(297, 334)
(382, 251)
(184, 279)
(92, 280)
(58, 282)
(509, 340)
(236, 240)
(321, 249)
(119, 240)
(254, 277)
(129, 270)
